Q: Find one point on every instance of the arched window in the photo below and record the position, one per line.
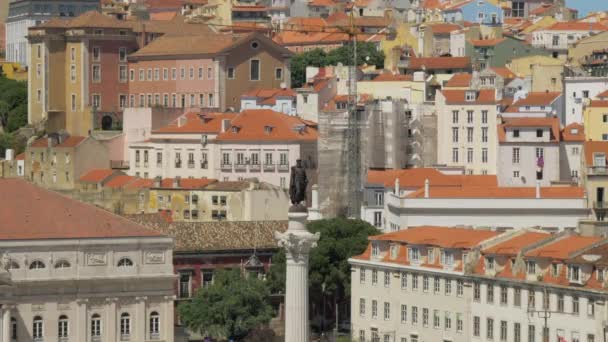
(125, 262)
(37, 328)
(14, 328)
(13, 265)
(62, 264)
(95, 326)
(154, 325)
(62, 327)
(125, 326)
(37, 265)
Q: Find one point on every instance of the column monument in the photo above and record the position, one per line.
(297, 241)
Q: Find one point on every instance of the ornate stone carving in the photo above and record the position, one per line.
(37, 307)
(96, 259)
(297, 244)
(155, 257)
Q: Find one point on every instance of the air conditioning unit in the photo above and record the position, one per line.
(204, 139)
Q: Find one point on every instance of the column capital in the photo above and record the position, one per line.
(82, 300)
(111, 299)
(141, 298)
(297, 244)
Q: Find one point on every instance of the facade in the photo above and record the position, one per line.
(483, 12)
(419, 285)
(316, 93)
(561, 36)
(594, 175)
(57, 162)
(578, 91)
(466, 129)
(205, 71)
(78, 79)
(278, 100)
(79, 273)
(593, 118)
(23, 14)
(498, 52)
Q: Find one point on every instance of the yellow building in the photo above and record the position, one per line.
(595, 119)
(595, 177)
(586, 46)
(523, 66)
(392, 48)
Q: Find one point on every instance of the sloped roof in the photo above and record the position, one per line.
(90, 19)
(459, 80)
(444, 28)
(96, 175)
(186, 183)
(251, 126)
(415, 178)
(576, 26)
(538, 99)
(417, 63)
(563, 248)
(515, 244)
(28, 212)
(573, 132)
(592, 147)
(487, 42)
(458, 96)
(573, 192)
(196, 123)
(531, 122)
(71, 141)
(446, 237)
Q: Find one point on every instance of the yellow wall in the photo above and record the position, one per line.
(522, 66)
(404, 37)
(36, 110)
(585, 47)
(547, 77)
(593, 121)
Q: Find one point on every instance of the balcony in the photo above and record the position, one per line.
(226, 167)
(597, 171)
(600, 205)
(283, 167)
(240, 167)
(254, 168)
(269, 167)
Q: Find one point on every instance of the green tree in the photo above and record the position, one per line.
(299, 62)
(340, 239)
(13, 104)
(4, 111)
(230, 308)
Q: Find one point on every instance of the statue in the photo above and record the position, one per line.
(298, 183)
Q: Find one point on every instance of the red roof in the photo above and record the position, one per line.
(96, 175)
(573, 132)
(598, 103)
(119, 181)
(20, 156)
(446, 237)
(443, 28)
(538, 99)
(71, 141)
(577, 26)
(504, 72)
(531, 122)
(563, 248)
(140, 183)
(196, 123)
(28, 212)
(415, 178)
(391, 77)
(268, 125)
(487, 42)
(514, 245)
(459, 80)
(592, 147)
(602, 95)
(485, 96)
(418, 63)
(496, 192)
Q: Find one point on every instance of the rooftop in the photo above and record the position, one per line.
(530, 122)
(71, 141)
(96, 175)
(268, 125)
(459, 80)
(28, 212)
(484, 96)
(429, 63)
(415, 178)
(496, 192)
(563, 248)
(446, 237)
(514, 245)
(196, 123)
(576, 26)
(538, 99)
(269, 96)
(573, 132)
(593, 147)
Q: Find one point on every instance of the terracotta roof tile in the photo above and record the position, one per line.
(538, 99)
(119, 181)
(504, 72)
(562, 248)
(391, 77)
(576, 26)
(322, 3)
(500, 192)
(487, 42)
(20, 156)
(531, 122)
(415, 178)
(418, 63)
(90, 19)
(140, 183)
(603, 95)
(196, 123)
(446, 237)
(28, 212)
(163, 15)
(598, 103)
(592, 147)
(459, 80)
(444, 28)
(485, 96)
(513, 246)
(573, 132)
(96, 175)
(253, 125)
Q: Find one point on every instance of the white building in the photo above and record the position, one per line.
(79, 273)
(256, 143)
(466, 129)
(458, 284)
(563, 35)
(577, 93)
(279, 100)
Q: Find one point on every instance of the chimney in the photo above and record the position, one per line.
(225, 125)
(176, 182)
(537, 189)
(157, 181)
(426, 188)
(397, 187)
(9, 154)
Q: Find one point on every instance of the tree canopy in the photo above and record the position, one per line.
(366, 54)
(340, 239)
(230, 308)
(13, 113)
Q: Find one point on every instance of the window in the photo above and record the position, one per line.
(149, 75)
(230, 73)
(540, 152)
(560, 302)
(361, 335)
(455, 116)
(459, 288)
(476, 326)
(516, 155)
(470, 134)
(503, 331)
(125, 326)
(37, 265)
(425, 317)
(387, 278)
(425, 283)
(490, 328)
(503, 295)
(531, 299)
(62, 327)
(362, 275)
(484, 155)
(531, 333)
(414, 315)
(555, 40)
(374, 308)
(403, 313)
(517, 296)
(590, 307)
(531, 267)
(414, 282)
(191, 73)
(575, 305)
(182, 73)
(96, 326)
(374, 277)
(200, 73)
(437, 285)
(436, 319)
(387, 311)
(490, 293)
(484, 134)
(165, 74)
(362, 307)
(184, 284)
(62, 264)
(254, 70)
(459, 322)
(545, 301)
(590, 338)
(210, 73)
(210, 102)
(484, 116)
(125, 262)
(573, 273)
(470, 95)
(173, 74)
(154, 325)
(455, 155)
(37, 329)
(278, 73)
(454, 134)
(469, 116)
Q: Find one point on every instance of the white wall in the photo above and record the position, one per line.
(573, 94)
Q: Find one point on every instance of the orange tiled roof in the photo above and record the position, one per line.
(597, 255)
(415, 178)
(322, 3)
(90, 19)
(96, 175)
(485, 96)
(119, 181)
(500, 192)
(598, 103)
(252, 125)
(187, 183)
(446, 237)
(71, 141)
(531, 122)
(459, 80)
(196, 123)
(504, 72)
(417, 63)
(538, 99)
(592, 147)
(163, 15)
(140, 183)
(577, 26)
(563, 248)
(391, 77)
(602, 95)
(28, 212)
(573, 132)
(487, 42)
(544, 7)
(513, 245)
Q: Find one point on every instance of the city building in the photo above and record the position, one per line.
(205, 70)
(595, 176)
(434, 283)
(23, 14)
(595, 118)
(497, 52)
(561, 36)
(279, 100)
(483, 12)
(112, 279)
(578, 91)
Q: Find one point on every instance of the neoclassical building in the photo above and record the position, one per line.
(73, 272)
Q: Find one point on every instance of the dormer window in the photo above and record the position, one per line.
(267, 129)
(530, 267)
(341, 105)
(490, 263)
(447, 258)
(574, 273)
(574, 131)
(430, 255)
(601, 275)
(375, 250)
(470, 95)
(554, 270)
(394, 251)
(413, 254)
(599, 159)
(235, 129)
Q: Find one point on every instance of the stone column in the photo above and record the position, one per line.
(112, 331)
(297, 242)
(6, 323)
(138, 326)
(82, 320)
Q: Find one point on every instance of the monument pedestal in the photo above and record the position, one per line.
(297, 242)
